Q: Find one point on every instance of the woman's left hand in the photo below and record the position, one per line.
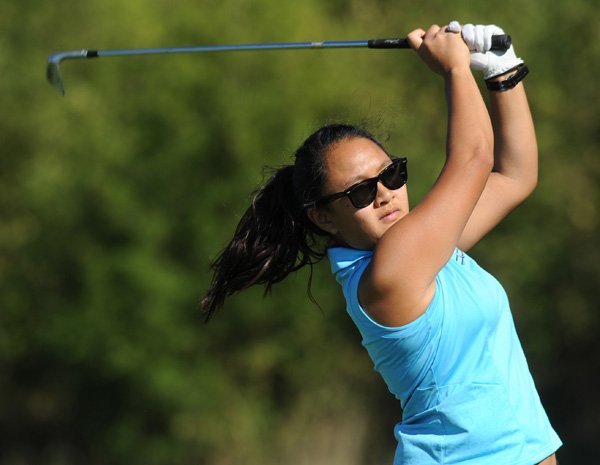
(492, 62)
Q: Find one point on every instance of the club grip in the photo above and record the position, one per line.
(388, 43)
(499, 42)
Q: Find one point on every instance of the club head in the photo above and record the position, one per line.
(53, 73)
(54, 77)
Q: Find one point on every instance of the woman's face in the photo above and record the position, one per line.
(348, 162)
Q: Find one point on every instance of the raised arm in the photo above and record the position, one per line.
(515, 164)
(400, 281)
(515, 171)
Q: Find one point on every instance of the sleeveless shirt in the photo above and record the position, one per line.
(459, 370)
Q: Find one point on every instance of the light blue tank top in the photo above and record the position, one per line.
(458, 370)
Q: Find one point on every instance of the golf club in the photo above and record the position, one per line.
(53, 74)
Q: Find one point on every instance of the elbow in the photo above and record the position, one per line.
(531, 184)
(526, 175)
(521, 186)
(528, 186)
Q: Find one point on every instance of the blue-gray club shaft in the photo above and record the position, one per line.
(54, 76)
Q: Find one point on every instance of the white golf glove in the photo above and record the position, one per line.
(479, 40)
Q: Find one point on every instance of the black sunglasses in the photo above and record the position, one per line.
(363, 193)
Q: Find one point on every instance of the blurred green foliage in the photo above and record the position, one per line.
(115, 197)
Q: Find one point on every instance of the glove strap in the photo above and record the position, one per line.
(509, 83)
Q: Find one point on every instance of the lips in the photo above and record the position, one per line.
(390, 215)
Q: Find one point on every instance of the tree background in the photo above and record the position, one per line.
(115, 197)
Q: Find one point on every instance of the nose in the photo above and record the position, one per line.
(384, 195)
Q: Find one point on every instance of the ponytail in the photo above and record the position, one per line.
(275, 236)
(273, 239)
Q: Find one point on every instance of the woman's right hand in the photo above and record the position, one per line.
(442, 50)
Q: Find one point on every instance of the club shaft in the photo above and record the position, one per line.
(499, 42)
(233, 48)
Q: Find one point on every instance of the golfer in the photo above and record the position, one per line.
(437, 326)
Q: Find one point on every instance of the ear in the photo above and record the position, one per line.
(322, 218)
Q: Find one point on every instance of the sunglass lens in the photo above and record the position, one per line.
(394, 177)
(364, 193)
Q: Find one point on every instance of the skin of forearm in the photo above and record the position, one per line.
(515, 145)
(469, 126)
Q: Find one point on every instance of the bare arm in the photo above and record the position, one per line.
(400, 281)
(515, 164)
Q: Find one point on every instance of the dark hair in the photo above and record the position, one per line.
(275, 236)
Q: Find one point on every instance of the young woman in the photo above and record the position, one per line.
(437, 326)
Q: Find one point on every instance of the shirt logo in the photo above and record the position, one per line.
(460, 256)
